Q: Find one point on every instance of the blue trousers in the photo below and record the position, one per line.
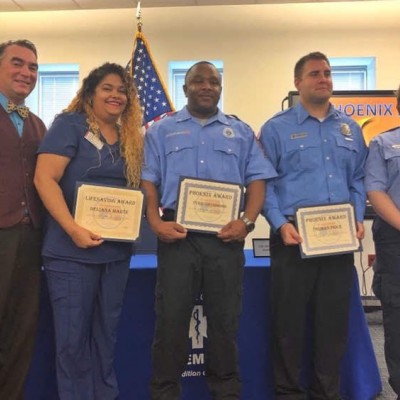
(86, 300)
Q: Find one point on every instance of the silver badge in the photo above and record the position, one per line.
(345, 129)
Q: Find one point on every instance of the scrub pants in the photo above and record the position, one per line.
(199, 263)
(386, 286)
(319, 288)
(86, 300)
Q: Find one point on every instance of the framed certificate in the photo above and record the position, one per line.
(261, 247)
(327, 229)
(114, 213)
(207, 206)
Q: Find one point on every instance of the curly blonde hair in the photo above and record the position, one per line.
(130, 122)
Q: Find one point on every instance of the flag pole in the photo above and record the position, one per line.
(139, 22)
(152, 91)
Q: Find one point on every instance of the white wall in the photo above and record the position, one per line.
(259, 44)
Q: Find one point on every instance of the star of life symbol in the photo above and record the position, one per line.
(198, 327)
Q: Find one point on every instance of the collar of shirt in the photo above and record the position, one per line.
(184, 115)
(3, 101)
(15, 118)
(303, 114)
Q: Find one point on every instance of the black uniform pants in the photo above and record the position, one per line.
(199, 263)
(386, 286)
(20, 264)
(318, 288)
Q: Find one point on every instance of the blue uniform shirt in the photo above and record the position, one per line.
(383, 165)
(222, 149)
(66, 137)
(317, 162)
(16, 119)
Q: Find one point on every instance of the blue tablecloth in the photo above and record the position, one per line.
(360, 376)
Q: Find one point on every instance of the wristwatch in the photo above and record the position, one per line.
(250, 225)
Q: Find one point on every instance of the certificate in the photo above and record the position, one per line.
(207, 206)
(326, 230)
(114, 213)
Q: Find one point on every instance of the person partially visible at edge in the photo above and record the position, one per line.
(20, 216)
(319, 154)
(96, 140)
(382, 182)
(200, 141)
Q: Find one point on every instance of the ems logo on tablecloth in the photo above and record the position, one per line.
(197, 336)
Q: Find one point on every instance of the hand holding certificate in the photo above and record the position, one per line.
(326, 230)
(113, 213)
(207, 206)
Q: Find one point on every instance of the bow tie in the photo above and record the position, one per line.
(23, 111)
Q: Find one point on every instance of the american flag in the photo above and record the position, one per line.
(151, 90)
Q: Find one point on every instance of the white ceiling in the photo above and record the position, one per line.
(48, 5)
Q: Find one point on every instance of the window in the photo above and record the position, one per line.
(56, 86)
(177, 71)
(353, 73)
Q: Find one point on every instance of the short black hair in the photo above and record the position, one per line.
(195, 65)
(315, 55)
(20, 42)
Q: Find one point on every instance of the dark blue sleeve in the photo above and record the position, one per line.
(62, 138)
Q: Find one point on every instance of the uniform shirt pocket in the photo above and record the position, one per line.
(227, 153)
(179, 153)
(392, 157)
(301, 154)
(346, 152)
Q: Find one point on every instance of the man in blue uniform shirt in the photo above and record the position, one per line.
(319, 155)
(200, 142)
(382, 182)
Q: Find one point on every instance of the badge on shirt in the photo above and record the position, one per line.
(395, 146)
(345, 129)
(92, 138)
(228, 132)
(300, 135)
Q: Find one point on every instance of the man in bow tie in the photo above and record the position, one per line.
(20, 216)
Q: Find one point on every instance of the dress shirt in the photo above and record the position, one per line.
(383, 165)
(16, 119)
(223, 149)
(318, 162)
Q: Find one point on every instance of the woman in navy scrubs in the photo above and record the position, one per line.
(96, 140)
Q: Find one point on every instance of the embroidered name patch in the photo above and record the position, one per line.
(298, 135)
(178, 133)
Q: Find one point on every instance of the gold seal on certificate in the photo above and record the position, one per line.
(326, 230)
(207, 206)
(114, 213)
